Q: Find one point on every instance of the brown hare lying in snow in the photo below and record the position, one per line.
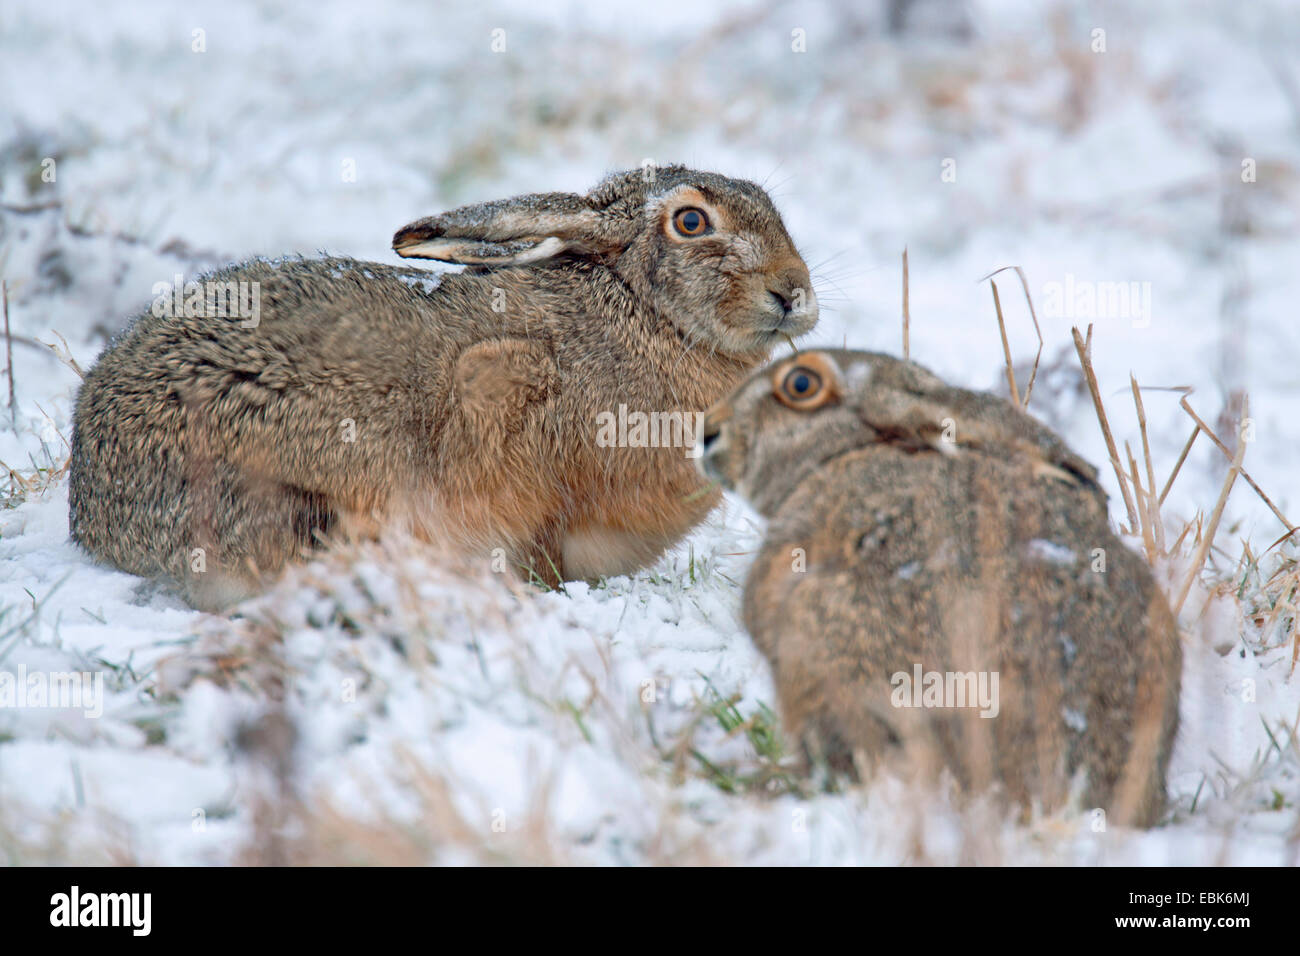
(212, 449)
(927, 543)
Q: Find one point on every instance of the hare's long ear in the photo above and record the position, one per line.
(512, 232)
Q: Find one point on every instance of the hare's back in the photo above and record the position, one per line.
(919, 562)
(938, 538)
(300, 311)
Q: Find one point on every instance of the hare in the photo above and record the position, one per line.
(927, 544)
(466, 408)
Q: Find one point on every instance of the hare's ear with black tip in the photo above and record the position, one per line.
(517, 231)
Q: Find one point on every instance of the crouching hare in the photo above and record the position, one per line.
(938, 580)
(466, 408)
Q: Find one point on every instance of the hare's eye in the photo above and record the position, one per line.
(800, 387)
(690, 222)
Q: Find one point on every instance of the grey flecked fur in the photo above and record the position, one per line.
(200, 443)
(948, 529)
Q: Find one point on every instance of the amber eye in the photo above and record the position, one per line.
(690, 222)
(807, 382)
(804, 389)
(801, 385)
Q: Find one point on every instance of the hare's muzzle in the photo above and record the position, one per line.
(709, 438)
(710, 446)
(791, 301)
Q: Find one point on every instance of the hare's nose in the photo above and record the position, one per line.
(782, 300)
(788, 288)
(710, 435)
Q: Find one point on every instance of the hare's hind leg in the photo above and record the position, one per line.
(541, 561)
(242, 532)
(1138, 795)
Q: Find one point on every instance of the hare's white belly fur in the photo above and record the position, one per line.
(596, 550)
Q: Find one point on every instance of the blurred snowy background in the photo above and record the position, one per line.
(419, 716)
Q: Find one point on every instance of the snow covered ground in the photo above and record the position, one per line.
(388, 706)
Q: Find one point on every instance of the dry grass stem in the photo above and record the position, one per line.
(9, 355)
(1033, 315)
(907, 314)
(1227, 453)
(1084, 348)
(1152, 506)
(1006, 346)
(1207, 537)
(64, 355)
(1191, 440)
(1144, 509)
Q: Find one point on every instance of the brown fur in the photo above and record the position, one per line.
(474, 403)
(947, 528)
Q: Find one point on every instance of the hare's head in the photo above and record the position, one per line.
(783, 422)
(799, 412)
(709, 253)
